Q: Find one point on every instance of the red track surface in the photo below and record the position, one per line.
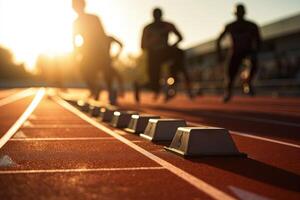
(54, 140)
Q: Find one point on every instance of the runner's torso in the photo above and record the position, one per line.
(244, 35)
(157, 35)
(91, 30)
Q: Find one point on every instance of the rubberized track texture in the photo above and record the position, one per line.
(59, 152)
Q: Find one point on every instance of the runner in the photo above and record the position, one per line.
(155, 41)
(113, 73)
(91, 48)
(246, 41)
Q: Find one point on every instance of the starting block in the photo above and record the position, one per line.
(84, 106)
(138, 123)
(203, 141)
(106, 113)
(95, 111)
(121, 119)
(162, 129)
(95, 107)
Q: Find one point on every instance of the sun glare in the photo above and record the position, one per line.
(30, 28)
(33, 27)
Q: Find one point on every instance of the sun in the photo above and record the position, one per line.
(33, 27)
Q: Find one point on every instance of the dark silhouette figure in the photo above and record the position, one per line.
(92, 46)
(246, 41)
(155, 42)
(113, 73)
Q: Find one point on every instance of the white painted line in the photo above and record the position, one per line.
(253, 136)
(32, 126)
(61, 139)
(194, 181)
(265, 139)
(37, 99)
(252, 119)
(16, 97)
(41, 171)
(137, 141)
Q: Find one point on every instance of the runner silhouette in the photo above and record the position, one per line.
(245, 36)
(155, 41)
(112, 72)
(91, 45)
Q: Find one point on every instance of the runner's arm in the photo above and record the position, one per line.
(120, 45)
(178, 34)
(144, 41)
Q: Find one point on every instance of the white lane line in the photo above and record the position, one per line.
(41, 171)
(15, 97)
(62, 139)
(252, 119)
(37, 99)
(253, 136)
(194, 181)
(32, 126)
(265, 139)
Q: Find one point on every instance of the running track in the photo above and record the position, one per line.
(51, 150)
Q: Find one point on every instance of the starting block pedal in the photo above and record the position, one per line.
(84, 106)
(162, 129)
(121, 119)
(203, 141)
(138, 123)
(106, 113)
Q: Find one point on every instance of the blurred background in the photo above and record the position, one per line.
(36, 41)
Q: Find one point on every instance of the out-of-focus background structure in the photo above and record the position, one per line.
(279, 60)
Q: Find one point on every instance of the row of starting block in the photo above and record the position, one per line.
(185, 141)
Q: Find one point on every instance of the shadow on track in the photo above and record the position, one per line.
(255, 170)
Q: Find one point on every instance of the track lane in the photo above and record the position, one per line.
(13, 129)
(4, 92)
(268, 180)
(201, 185)
(108, 164)
(16, 96)
(273, 132)
(273, 175)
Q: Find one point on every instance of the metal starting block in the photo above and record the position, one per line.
(162, 129)
(84, 106)
(121, 119)
(106, 113)
(95, 107)
(138, 123)
(95, 111)
(203, 141)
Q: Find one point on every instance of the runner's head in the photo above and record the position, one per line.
(157, 14)
(78, 6)
(240, 11)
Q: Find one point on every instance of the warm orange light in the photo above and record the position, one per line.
(79, 40)
(170, 81)
(30, 28)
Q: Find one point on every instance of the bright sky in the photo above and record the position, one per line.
(31, 27)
